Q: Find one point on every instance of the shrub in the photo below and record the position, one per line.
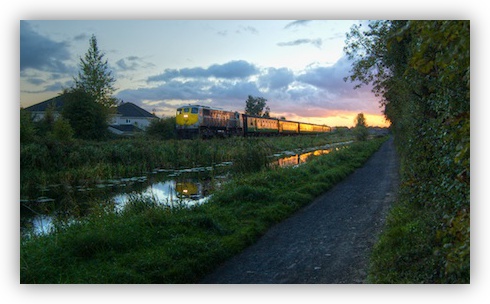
(162, 128)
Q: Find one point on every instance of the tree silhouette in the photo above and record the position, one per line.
(255, 106)
(95, 77)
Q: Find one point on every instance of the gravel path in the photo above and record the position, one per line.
(328, 241)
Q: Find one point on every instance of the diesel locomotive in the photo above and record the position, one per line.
(204, 121)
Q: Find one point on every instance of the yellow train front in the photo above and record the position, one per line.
(196, 120)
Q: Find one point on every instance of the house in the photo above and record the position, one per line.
(38, 110)
(130, 114)
(129, 118)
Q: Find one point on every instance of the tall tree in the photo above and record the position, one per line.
(255, 106)
(95, 77)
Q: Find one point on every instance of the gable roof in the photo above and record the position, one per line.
(125, 109)
(57, 101)
(128, 109)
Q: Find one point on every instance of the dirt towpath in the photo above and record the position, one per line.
(328, 241)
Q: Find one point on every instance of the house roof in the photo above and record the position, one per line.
(128, 109)
(57, 101)
(125, 109)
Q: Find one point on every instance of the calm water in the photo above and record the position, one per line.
(185, 187)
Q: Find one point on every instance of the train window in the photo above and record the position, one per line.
(186, 110)
(194, 110)
(179, 111)
(206, 112)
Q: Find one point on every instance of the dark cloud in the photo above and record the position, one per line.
(193, 90)
(275, 79)
(41, 53)
(316, 42)
(121, 64)
(51, 87)
(81, 37)
(231, 70)
(297, 23)
(329, 78)
(36, 80)
(131, 63)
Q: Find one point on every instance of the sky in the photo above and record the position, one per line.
(297, 65)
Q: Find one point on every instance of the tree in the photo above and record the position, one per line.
(95, 77)
(360, 130)
(87, 117)
(255, 106)
(421, 70)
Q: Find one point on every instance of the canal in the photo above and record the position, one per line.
(59, 205)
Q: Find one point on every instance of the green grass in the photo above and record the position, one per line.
(148, 243)
(47, 161)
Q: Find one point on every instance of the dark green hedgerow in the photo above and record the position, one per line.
(147, 243)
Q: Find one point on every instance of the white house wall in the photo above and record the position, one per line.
(141, 123)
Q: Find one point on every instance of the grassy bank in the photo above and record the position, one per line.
(48, 161)
(147, 243)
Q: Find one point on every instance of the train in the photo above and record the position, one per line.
(203, 121)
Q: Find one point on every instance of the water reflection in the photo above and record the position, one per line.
(41, 215)
(170, 193)
(63, 204)
(298, 159)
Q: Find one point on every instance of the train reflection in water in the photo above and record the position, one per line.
(172, 193)
(298, 159)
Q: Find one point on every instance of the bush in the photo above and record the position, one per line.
(62, 130)
(162, 128)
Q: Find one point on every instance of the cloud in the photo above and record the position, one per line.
(247, 29)
(328, 78)
(275, 79)
(41, 53)
(297, 23)
(316, 42)
(81, 37)
(231, 70)
(313, 92)
(193, 90)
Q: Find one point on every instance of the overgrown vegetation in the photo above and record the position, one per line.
(150, 243)
(47, 160)
(162, 128)
(421, 69)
